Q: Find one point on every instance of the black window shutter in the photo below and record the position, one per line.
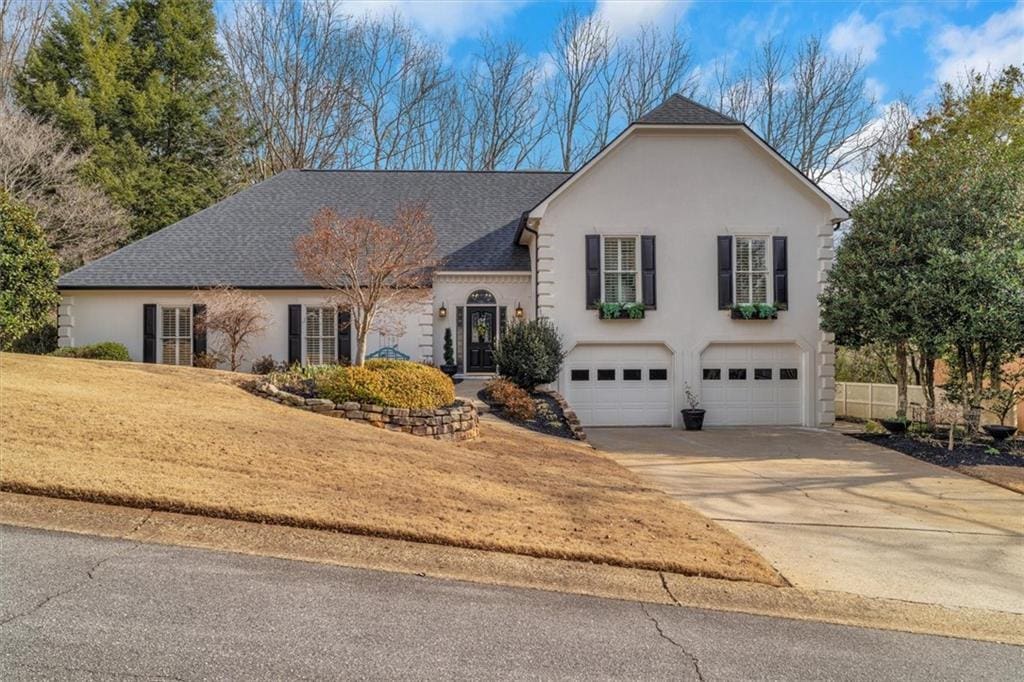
(149, 332)
(593, 270)
(725, 298)
(294, 334)
(344, 337)
(198, 328)
(649, 282)
(781, 274)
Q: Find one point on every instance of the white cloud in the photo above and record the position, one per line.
(857, 35)
(996, 43)
(874, 88)
(443, 20)
(626, 17)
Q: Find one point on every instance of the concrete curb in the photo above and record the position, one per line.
(505, 569)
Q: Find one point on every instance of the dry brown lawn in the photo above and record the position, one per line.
(1011, 478)
(192, 440)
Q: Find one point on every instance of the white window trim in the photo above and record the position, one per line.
(636, 272)
(305, 330)
(161, 338)
(768, 260)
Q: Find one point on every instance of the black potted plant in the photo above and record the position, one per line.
(693, 417)
(897, 426)
(449, 367)
(1001, 402)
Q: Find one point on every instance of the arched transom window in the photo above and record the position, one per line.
(481, 297)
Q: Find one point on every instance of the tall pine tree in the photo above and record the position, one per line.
(140, 83)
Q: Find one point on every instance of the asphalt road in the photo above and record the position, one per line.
(77, 607)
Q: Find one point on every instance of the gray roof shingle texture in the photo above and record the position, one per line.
(679, 110)
(246, 240)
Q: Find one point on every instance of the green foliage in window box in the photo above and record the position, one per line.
(620, 311)
(755, 311)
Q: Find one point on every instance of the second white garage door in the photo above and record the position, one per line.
(620, 385)
(751, 384)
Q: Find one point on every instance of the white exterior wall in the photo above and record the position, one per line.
(451, 289)
(92, 316)
(686, 188)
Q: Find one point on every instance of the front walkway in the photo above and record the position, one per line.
(833, 513)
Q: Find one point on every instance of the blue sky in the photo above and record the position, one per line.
(910, 46)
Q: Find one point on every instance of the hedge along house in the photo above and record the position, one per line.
(687, 212)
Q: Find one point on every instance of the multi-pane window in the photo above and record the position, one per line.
(176, 335)
(751, 270)
(619, 270)
(321, 336)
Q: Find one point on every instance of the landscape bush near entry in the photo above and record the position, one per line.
(389, 383)
(530, 353)
(107, 350)
(516, 402)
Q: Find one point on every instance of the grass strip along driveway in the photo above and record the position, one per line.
(190, 440)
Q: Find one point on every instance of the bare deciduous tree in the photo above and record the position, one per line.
(295, 65)
(400, 84)
(655, 65)
(39, 167)
(808, 104)
(21, 24)
(579, 50)
(505, 123)
(373, 268)
(232, 319)
(880, 141)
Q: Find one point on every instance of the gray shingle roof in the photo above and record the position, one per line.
(246, 239)
(679, 110)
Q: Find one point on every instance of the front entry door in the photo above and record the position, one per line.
(481, 331)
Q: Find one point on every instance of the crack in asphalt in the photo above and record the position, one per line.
(694, 661)
(89, 575)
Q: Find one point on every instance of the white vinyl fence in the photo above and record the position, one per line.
(878, 401)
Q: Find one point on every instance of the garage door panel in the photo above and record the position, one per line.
(643, 399)
(749, 400)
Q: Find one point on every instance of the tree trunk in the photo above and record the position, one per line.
(928, 384)
(901, 380)
(360, 358)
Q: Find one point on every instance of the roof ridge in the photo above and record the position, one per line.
(429, 170)
(705, 107)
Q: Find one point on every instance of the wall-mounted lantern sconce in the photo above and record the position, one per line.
(442, 312)
(519, 311)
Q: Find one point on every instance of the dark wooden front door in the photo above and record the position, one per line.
(481, 332)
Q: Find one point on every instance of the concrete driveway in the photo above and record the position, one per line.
(833, 513)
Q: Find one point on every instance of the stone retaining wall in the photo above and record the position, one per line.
(571, 420)
(458, 422)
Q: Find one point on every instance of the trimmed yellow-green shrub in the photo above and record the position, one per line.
(391, 383)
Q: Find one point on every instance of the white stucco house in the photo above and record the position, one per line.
(687, 211)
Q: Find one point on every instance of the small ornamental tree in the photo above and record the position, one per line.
(234, 317)
(530, 353)
(28, 273)
(449, 352)
(374, 269)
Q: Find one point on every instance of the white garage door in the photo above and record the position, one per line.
(751, 384)
(620, 385)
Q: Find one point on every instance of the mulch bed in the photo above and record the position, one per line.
(549, 419)
(1011, 453)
